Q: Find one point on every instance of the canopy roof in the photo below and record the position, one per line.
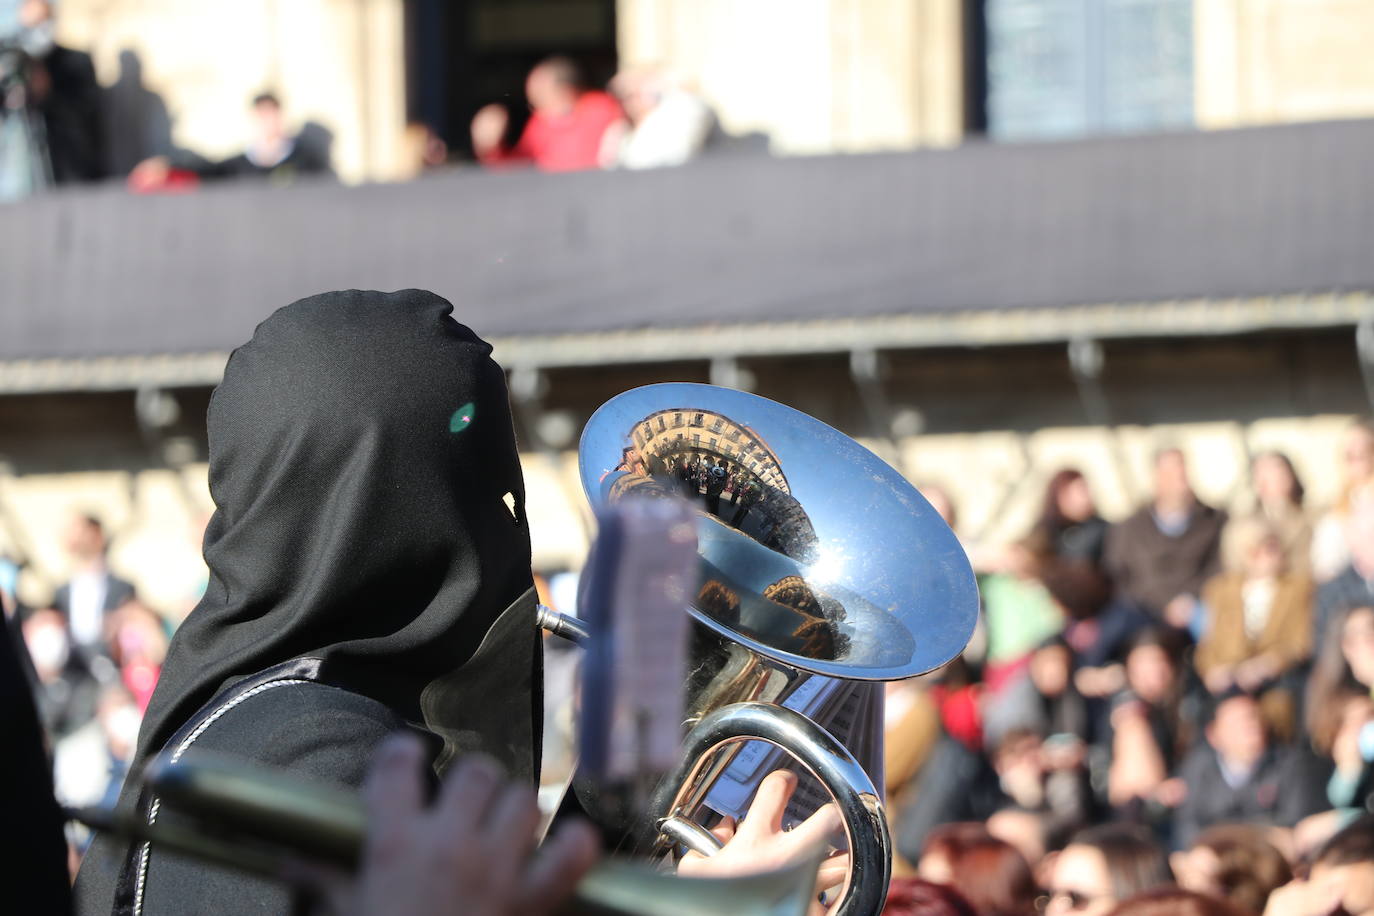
(735, 255)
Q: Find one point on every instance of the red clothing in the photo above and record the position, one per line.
(564, 143)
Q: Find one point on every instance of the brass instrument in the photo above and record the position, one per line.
(817, 561)
(816, 558)
(252, 818)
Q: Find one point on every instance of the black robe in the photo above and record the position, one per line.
(369, 568)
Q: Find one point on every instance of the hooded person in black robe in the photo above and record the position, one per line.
(369, 571)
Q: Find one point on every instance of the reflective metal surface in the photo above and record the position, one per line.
(865, 826)
(814, 552)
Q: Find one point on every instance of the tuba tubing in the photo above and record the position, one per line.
(822, 755)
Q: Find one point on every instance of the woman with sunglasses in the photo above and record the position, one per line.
(1103, 866)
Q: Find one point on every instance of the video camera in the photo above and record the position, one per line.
(15, 64)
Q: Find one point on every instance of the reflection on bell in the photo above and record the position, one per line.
(814, 551)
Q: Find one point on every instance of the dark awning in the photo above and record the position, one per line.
(992, 241)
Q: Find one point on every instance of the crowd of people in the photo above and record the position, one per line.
(55, 125)
(93, 656)
(1181, 697)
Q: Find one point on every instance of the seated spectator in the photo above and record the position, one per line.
(1161, 555)
(918, 897)
(1069, 521)
(1235, 862)
(89, 764)
(1330, 552)
(1341, 880)
(665, 125)
(1147, 729)
(1258, 622)
(1354, 586)
(911, 727)
(1102, 867)
(93, 591)
(138, 646)
(272, 153)
(1173, 901)
(957, 782)
(1339, 709)
(423, 151)
(989, 873)
(1278, 501)
(1046, 778)
(1045, 700)
(564, 133)
(1019, 612)
(1239, 776)
(64, 691)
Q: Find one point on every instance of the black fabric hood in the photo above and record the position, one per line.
(369, 513)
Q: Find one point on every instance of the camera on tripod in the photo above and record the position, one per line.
(15, 65)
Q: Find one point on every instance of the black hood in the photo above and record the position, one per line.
(369, 514)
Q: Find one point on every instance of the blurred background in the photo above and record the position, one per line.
(991, 239)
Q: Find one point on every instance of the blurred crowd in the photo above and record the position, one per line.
(1182, 695)
(56, 124)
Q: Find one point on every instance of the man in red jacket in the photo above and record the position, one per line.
(565, 132)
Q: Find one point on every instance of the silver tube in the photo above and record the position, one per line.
(565, 625)
(690, 834)
(824, 757)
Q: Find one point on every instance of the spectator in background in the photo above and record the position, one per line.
(63, 91)
(1354, 586)
(1103, 866)
(93, 591)
(1173, 901)
(1047, 779)
(1240, 776)
(1020, 613)
(566, 130)
(89, 764)
(64, 689)
(138, 645)
(664, 125)
(1330, 551)
(1341, 879)
(918, 897)
(424, 150)
(1161, 555)
(272, 153)
(1147, 731)
(1258, 622)
(1339, 708)
(1069, 522)
(1235, 862)
(1278, 501)
(1045, 700)
(989, 873)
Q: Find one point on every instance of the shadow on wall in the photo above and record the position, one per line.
(137, 124)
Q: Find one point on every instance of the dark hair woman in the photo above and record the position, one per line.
(1171, 901)
(1069, 521)
(369, 570)
(1103, 866)
(1236, 862)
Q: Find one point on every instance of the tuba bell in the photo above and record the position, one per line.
(822, 572)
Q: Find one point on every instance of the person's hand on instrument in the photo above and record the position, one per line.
(472, 852)
(760, 843)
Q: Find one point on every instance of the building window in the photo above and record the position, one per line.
(1065, 68)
